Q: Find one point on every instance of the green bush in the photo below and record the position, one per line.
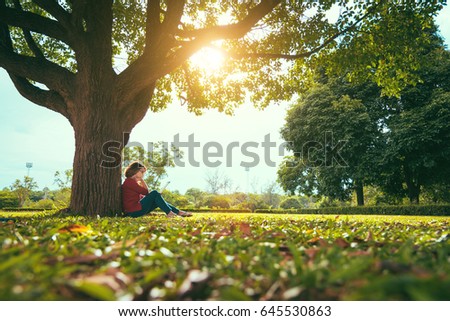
(437, 210)
(8, 199)
(290, 202)
(44, 203)
(217, 210)
(218, 201)
(22, 209)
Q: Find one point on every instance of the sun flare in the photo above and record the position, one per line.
(208, 59)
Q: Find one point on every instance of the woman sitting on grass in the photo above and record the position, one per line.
(136, 199)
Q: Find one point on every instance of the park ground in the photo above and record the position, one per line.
(215, 256)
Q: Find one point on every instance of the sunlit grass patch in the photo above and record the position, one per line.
(225, 257)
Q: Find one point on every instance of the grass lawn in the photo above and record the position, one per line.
(225, 257)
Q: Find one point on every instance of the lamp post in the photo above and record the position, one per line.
(28, 165)
(247, 169)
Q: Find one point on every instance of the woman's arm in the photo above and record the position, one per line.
(138, 188)
(142, 183)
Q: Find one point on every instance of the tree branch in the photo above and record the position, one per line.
(99, 19)
(47, 98)
(42, 71)
(173, 17)
(53, 8)
(306, 53)
(232, 31)
(78, 12)
(28, 38)
(33, 22)
(147, 69)
(153, 23)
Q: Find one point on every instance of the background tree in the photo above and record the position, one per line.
(61, 55)
(290, 202)
(63, 181)
(218, 182)
(23, 188)
(397, 143)
(270, 194)
(196, 196)
(332, 137)
(8, 198)
(417, 146)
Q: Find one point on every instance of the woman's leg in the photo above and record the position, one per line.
(137, 213)
(153, 200)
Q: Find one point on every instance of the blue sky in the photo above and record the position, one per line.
(31, 133)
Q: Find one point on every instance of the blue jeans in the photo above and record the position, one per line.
(151, 201)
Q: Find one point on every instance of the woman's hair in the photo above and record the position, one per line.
(133, 168)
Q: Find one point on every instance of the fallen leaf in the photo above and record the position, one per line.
(75, 228)
(341, 243)
(359, 253)
(109, 285)
(317, 241)
(312, 253)
(314, 240)
(128, 243)
(245, 229)
(223, 232)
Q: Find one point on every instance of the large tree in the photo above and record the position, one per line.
(23, 188)
(62, 54)
(417, 149)
(333, 137)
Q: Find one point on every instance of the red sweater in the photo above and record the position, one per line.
(132, 193)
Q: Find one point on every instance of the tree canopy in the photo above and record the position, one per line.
(333, 136)
(399, 144)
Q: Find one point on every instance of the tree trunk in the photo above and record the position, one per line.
(359, 188)
(413, 193)
(102, 130)
(413, 186)
(97, 168)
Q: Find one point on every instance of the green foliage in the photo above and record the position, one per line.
(46, 204)
(416, 152)
(63, 182)
(23, 189)
(426, 210)
(217, 201)
(399, 144)
(175, 198)
(252, 202)
(382, 47)
(290, 202)
(104, 62)
(374, 47)
(196, 196)
(333, 137)
(224, 257)
(8, 199)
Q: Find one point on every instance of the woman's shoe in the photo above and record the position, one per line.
(184, 214)
(171, 215)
